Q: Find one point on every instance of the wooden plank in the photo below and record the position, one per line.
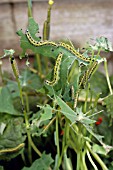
(77, 21)
(20, 1)
(7, 31)
(69, 1)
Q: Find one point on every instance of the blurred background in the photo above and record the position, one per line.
(76, 20)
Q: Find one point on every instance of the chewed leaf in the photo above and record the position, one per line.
(47, 113)
(100, 43)
(8, 53)
(104, 43)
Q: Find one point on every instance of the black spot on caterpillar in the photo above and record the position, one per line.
(56, 71)
(15, 149)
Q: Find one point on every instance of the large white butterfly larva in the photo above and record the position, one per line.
(56, 71)
(14, 67)
(76, 53)
(10, 150)
(38, 43)
(60, 44)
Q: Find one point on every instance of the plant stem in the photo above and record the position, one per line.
(83, 160)
(92, 162)
(1, 74)
(78, 161)
(107, 76)
(39, 63)
(29, 8)
(57, 142)
(32, 144)
(16, 74)
(96, 156)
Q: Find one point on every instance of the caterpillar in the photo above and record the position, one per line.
(76, 53)
(60, 44)
(12, 149)
(38, 43)
(89, 72)
(84, 80)
(14, 67)
(56, 71)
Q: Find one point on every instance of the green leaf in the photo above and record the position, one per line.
(12, 135)
(1, 168)
(100, 43)
(6, 103)
(25, 44)
(8, 53)
(47, 113)
(108, 101)
(83, 118)
(67, 162)
(104, 43)
(2, 127)
(99, 149)
(42, 163)
(66, 110)
(100, 85)
(13, 88)
(30, 80)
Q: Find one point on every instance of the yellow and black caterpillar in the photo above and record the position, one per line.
(66, 50)
(56, 71)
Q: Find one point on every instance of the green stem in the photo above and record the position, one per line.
(83, 160)
(78, 161)
(57, 142)
(16, 73)
(107, 76)
(27, 101)
(1, 74)
(39, 63)
(92, 162)
(46, 32)
(96, 156)
(64, 140)
(85, 104)
(29, 8)
(32, 144)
